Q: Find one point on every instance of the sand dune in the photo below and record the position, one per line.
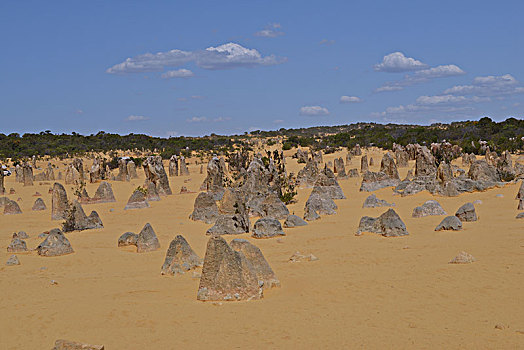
(364, 291)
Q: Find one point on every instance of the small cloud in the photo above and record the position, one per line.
(134, 118)
(196, 120)
(221, 119)
(350, 99)
(172, 133)
(313, 110)
(389, 88)
(271, 31)
(278, 121)
(180, 73)
(182, 99)
(396, 62)
(197, 97)
(326, 42)
(79, 111)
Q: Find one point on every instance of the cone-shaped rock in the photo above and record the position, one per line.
(428, 208)
(388, 224)
(180, 257)
(205, 208)
(373, 202)
(11, 207)
(254, 255)
(12, 261)
(128, 238)
(466, 212)
(294, 221)
(227, 274)
(147, 240)
(39, 205)
(17, 245)
(449, 223)
(59, 203)
(137, 201)
(77, 220)
(55, 244)
(155, 172)
(104, 193)
(266, 228)
(463, 258)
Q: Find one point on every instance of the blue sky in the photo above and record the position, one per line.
(170, 68)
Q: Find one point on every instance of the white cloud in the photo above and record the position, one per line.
(179, 73)
(134, 118)
(313, 110)
(196, 120)
(271, 31)
(422, 76)
(491, 85)
(350, 99)
(221, 119)
(396, 62)
(79, 111)
(197, 97)
(278, 121)
(227, 56)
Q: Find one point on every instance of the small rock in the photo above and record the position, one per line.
(13, 260)
(463, 258)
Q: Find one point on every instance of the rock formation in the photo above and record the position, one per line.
(184, 171)
(155, 172)
(11, 207)
(260, 265)
(173, 165)
(104, 193)
(180, 257)
(267, 228)
(137, 200)
(466, 212)
(449, 223)
(373, 202)
(77, 220)
(205, 208)
(55, 244)
(388, 224)
(294, 221)
(428, 208)
(59, 203)
(463, 258)
(39, 205)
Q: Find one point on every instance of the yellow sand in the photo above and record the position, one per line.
(364, 292)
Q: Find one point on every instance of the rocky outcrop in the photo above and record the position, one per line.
(260, 265)
(294, 221)
(11, 207)
(327, 183)
(128, 238)
(104, 193)
(227, 275)
(463, 258)
(319, 202)
(137, 200)
(428, 208)
(27, 172)
(180, 257)
(216, 179)
(267, 228)
(466, 212)
(55, 244)
(147, 240)
(17, 245)
(270, 206)
(173, 165)
(155, 172)
(77, 220)
(12, 261)
(122, 170)
(308, 175)
(59, 203)
(131, 170)
(39, 205)
(205, 208)
(184, 171)
(388, 224)
(373, 202)
(449, 223)
(425, 164)
(364, 163)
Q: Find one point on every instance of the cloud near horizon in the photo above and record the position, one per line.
(179, 73)
(422, 76)
(396, 62)
(313, 110)
(134, 118)
(226, 56)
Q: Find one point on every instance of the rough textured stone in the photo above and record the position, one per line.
(180, 257)
(77, 220)
(155, 172)
(271, 206)
(298, 257)
(388, 224)
(353, 172)
(55, 244)
(521, 204)
(17, 245)
(122, 170)
(12, 261)
(449, 223)
(364, 164)
(104, 193)
(216, 179)
(310, 214)
(22, 235)
(227, 274)
(520, 193)
(131, 170)
(294, 221)
(128, 238)
(463, 258)
(62, 344)
(137, 200)
(267, 228)
(184, 171)
(480, 170)
(230, 224)
(327, 183)
(11, 207)
(205, 208)
(373, 202)
(308, 175)
(388, 166)
(173, 165)
(428, 208)
(520, 215)
(147, 240)
(28, 174)
(59, 203)
(372, 181)
(319, 202)
(425, 164)
(254, 256)
(152, 194)
(466, 212)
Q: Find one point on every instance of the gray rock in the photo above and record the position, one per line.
(449, 223)
(320, 202)
(227, 275)
(62, 344)
(77, 220)
(180, 257)
(267, 228)
(205, 208)
(55, 244)
(147, 240)
(137, 200)
(260, 265)
(294, 221)
(520, 215)
(22, 235)
(310, 214)
(39, 205)
(155, 172)
(466, 212)
(520, 193)
(364, 163)
(463, 258)
(307, 176)
(11, 207)
(388, 224)
(104, 193)
(128, 238)
(12, 261)
(428, 208)
(17, 245)
(353, 172)
(59, 202)
(373, 202)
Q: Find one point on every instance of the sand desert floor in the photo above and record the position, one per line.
(364, 291)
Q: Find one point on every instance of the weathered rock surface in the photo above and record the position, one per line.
(254, 256)
(205, 208)
(180, 257)
(12, 261)
(17, 245)
(463, 258)
(308, 175)
(61, 344)
(104, 193)
(147, 241)
(388, 224)
(137, 200)
(267, 228)
(39, 205)
(184, 171)
(319, 202)
(59, 203)
(364, 163)
(227, 274)
(373, 202)
(428, 208)
(11, 207)
(128, 238)
(155, 172)
(55, 244)
(173, 165)
(294, 221)
(217, 178)
(466, 212)
(271, 206)
(449, 223)
(299, 257)
(77, 220)
(520, 215)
